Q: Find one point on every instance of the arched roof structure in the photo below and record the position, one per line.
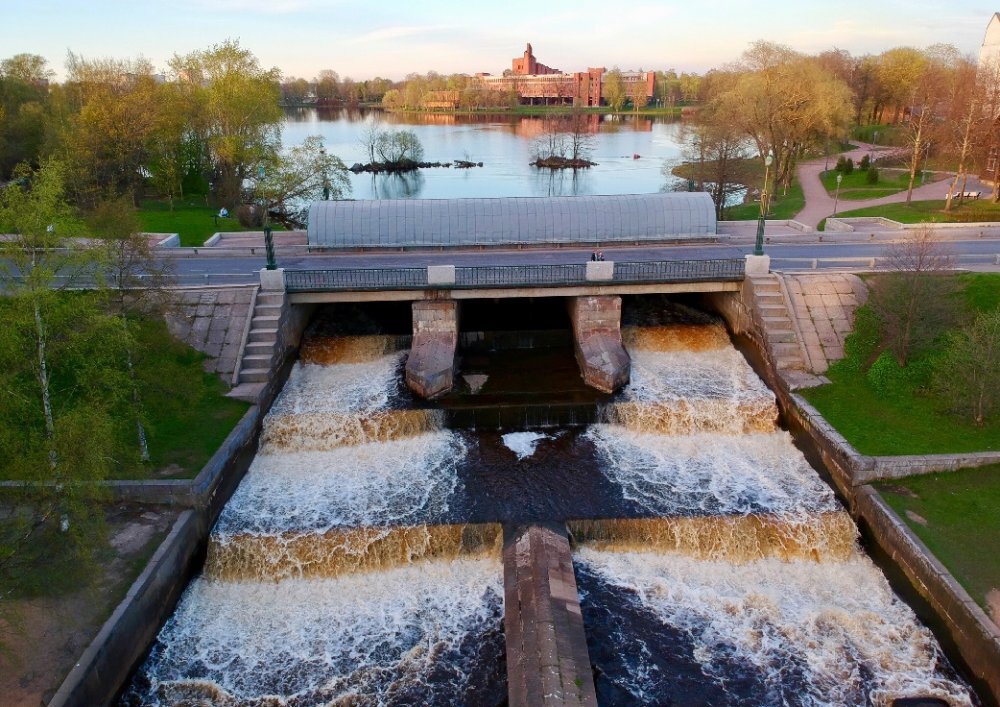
(517, 220)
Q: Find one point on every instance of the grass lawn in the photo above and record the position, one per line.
(855, 186)
(783, 206)
(907, 422)
(190, 218)
(962, 523)
(932, 211)
(188, 414)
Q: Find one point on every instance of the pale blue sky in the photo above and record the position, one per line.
(363, 39)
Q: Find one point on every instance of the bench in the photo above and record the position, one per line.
(965, 195)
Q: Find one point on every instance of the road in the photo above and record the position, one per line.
(238, 268)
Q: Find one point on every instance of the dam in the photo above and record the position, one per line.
(526, 538)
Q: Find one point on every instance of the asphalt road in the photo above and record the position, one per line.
(224, 269)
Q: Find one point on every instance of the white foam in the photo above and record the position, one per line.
(854, 640)
(659, 376)
(399, 482)
(345, 387)
(523, 444)
(357, 635)
(711, 473)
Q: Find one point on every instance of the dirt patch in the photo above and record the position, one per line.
(898, 490)
(41, 638)
(916, 517)
(993, 605)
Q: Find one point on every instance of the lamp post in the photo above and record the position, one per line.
(758, 248)
(836, 199)
(268, 241)
(923, 172)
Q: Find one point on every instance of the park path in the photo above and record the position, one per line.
(819, 205)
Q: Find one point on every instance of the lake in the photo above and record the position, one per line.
(630, 152)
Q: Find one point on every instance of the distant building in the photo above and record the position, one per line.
(538, 84)
(989, 53)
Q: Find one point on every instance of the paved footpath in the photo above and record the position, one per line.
(819, 205)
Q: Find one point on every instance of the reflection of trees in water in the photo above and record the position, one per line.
(561, 182)
(397, 185)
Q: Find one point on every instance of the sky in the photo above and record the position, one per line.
(364, 39)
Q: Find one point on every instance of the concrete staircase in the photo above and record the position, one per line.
(776, 321)
(255, 365)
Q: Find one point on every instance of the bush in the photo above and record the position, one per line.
(866, 162)
(848, 166)
(861, 344)
(872, 177)
(249, 216)
(841, 162)
(886, 376)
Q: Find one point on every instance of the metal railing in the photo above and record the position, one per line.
(519, 275)
(356, 279)
(499, 276)
(680, 270)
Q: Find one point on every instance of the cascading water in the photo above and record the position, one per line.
(359, 560)
(746, 584)
(325, 581)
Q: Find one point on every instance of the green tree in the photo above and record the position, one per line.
(613, 90)
(61, 385)
(301, 176)
(24, 114)
(967, 375)
(241, 119)
(398, 146)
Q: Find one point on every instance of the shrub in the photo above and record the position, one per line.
(249, 215)
(861, 344)
(872, 177)
(866, 162)
(848, 166)
(886, 376)
(841, 161)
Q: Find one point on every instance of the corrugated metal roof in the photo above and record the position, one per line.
(515, 220)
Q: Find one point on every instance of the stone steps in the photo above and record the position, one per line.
(255, 366)
(779, 329)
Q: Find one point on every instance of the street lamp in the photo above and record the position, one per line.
(836, 199)
(759, 246)
(923, 172)
(268, 241)
(326, 180)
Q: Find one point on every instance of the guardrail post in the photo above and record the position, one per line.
(440, 274)
(273, 280)
(600, 270)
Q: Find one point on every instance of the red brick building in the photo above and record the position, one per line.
(538, 84)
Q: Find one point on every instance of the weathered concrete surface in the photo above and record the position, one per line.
(597, 338)
(911, 465)
(823, 305)
(547, 658)
(430, 367)
(212, 320)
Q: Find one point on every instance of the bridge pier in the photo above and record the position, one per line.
(597, 340)
(430, 367)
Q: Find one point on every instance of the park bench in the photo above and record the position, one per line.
(965, 195)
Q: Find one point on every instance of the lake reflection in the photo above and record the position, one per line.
(503, 144)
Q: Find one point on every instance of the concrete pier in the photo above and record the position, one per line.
(597, 335)
(547, 659)
(430, 367)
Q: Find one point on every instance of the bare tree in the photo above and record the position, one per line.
(914, 294)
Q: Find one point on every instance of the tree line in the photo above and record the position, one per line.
(212, 125)
(790, 105)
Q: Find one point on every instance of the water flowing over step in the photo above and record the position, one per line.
(736, 539)
(259, 557)
(679, 417)
(323, 431)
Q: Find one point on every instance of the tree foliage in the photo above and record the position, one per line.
(968, 372)
(304, 174)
